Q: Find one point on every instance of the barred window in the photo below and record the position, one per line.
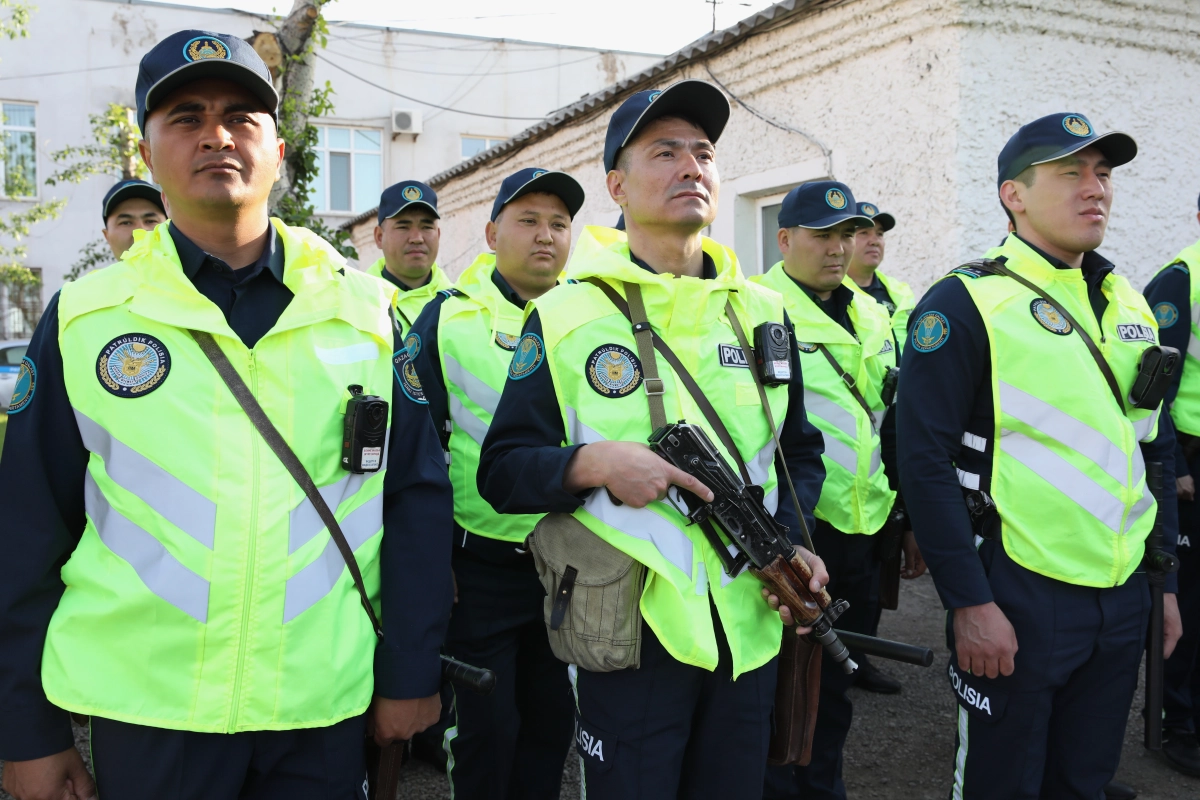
(18, 129)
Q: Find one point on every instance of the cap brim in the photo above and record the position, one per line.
(1119, 148)
(559, 184)
(414, 203)
(220, 68)
(861, 221)
(698, 101)
(130, 192)
(884, 221)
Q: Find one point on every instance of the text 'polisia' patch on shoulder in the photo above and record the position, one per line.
(133, 365)
(731, 355)
(1133, 332)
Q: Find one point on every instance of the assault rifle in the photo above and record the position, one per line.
(1158, 563)
(762, 544)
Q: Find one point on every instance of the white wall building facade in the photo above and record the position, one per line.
(83, 54)
(909, 102)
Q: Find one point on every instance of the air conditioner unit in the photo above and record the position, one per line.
(405, 121)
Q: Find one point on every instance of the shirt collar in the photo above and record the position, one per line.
(401, 285)
(192, 258)
(838, 303)
(708, 272)
(506, 290)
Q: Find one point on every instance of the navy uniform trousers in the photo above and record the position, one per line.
(135, 762)
(854, 577)
(671, 731)
(1053, 729)
(512, 743)
(1181, 678)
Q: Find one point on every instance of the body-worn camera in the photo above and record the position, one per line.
(891, 382)
(772, 353)
(1155, 368)
(363, 431)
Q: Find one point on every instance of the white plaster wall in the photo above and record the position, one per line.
(94, 46)
(1129, 66)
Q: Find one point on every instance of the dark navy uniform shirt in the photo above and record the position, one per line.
(387, 275)
(1173, 287)
(880, 293)
(946, 394)
(523, 461)
(41, 489)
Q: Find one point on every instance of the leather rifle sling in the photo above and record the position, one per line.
(643, 330)
(748, 353)
(998, 267)
(851, 384)
(291, 462)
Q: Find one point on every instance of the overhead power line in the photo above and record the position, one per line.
(460, 74)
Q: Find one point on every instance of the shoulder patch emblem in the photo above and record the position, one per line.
(133, 365)
(1166, 314)
(23, 390)
(970, 272)
(529, 354)
(412, 343)
(730, 355)
(1132, 332)
(930, 332)
(507, 340)
(1049, 317)
(1182, 267)
(888, 347)
(614, 371)
(406, 375)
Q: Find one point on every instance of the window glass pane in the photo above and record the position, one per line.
(366, 140)
(368, 181)
(13, 355)
(320, 136)
(19, 115)
(318, 183)
(770, 236)
(339, 138)
(20, 164)
(494, 142)
(339, 181)
(472, 146)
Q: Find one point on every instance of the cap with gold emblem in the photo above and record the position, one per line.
(819, 205)
(1058, 136)
(400, 196)
(187, 56)
(882, 219)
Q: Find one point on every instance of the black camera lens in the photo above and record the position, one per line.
(376, 414)
(778, 334)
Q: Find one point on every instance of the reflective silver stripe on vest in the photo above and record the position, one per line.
(840, 453)
(316, 580)
(1076, 435)
(158, 570)
(1143, 427)
(480, 393)
(974, 442)
(818, 405)
(968, 480)
(760, 472)
(640, 523)
(171, 498)
(1066, 478)
(304, 522)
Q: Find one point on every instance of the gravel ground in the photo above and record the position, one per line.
(901, 746)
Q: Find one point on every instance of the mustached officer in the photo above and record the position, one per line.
(892, 293)
(511, 743)
(409, 233)
(1173, 294)
(1024, 473)
(161, 569)
(846, 350)
(129, 206)
(682, 707)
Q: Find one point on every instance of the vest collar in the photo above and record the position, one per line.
(477, 284)
(1020, 254)
(604, 253)
(435, 281)
(310, 270)
(810, 321)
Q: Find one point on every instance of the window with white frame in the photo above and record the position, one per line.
(474, 145)
(18, 127)
(349, 168)
(767, 209)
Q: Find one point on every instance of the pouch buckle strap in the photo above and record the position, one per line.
(562, 597)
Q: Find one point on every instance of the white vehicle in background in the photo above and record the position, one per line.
(11, 353)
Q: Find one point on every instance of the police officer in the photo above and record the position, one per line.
(894, 294)
(1173, 294)
(162, 571)
(130, 205)
(679, 725)
(846, 349)
(1024, 473)
(408, 233)
(511, 743)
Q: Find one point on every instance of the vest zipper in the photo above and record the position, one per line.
(251, 549)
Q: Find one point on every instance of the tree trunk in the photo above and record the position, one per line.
(297, 83)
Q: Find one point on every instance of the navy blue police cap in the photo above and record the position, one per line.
(697, 101)
(187, 56)
(819, 205)
(1058, 136)
(125, 190)
(400, 196)
(883, 220)
(533, 179)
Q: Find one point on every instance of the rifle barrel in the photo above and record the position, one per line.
(885, 648)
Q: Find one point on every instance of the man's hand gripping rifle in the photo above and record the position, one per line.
(763, 544)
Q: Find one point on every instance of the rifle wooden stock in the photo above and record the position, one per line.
(789, 581)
